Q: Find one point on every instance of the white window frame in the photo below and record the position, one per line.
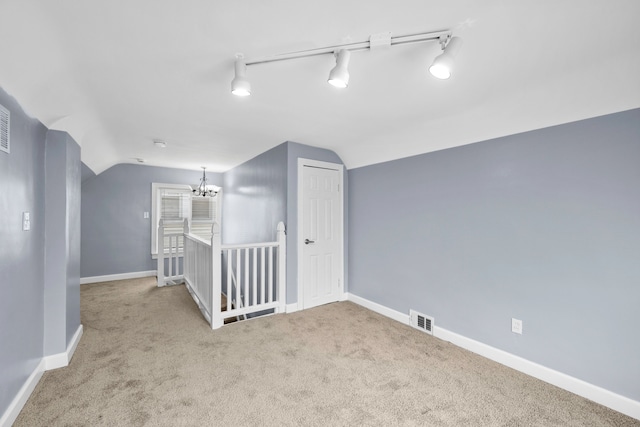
(155, 208)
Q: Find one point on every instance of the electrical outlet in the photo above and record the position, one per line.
(516, 326)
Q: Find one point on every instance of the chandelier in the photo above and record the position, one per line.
(203, 189)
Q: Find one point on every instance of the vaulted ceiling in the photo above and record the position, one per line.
(117, 74)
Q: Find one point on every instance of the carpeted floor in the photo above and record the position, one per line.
(148, 358)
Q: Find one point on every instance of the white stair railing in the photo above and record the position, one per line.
(237, 301)
(198, 271)
(255, 278)
(170, 270)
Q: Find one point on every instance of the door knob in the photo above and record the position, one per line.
(307, 241)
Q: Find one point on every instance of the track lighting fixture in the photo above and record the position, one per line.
(339, 75)
(443, 64)
(240, 86)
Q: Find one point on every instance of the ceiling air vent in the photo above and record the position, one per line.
(421, 321)
(4, 129)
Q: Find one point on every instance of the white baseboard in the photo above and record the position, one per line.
(55, 361)
(16, 405)
(123, 276)
(574, 385)
(381, 309)
(297, 306)
(61, 360)
(47, 363)
(75, 340)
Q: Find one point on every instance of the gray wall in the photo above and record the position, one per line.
(21, 252)
(542, 226)
(86, 172)
(255, 198)
(62, 241)
(115, 237)
(74, 206)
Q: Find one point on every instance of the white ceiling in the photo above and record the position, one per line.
(116, 74)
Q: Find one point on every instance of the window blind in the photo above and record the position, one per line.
(174, 203)
(175, 207)
(203, 212)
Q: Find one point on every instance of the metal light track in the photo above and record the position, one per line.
(363, 45)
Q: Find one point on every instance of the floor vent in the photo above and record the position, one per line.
(421, 321)
(4, 130)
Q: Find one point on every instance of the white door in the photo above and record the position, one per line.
(321, 235)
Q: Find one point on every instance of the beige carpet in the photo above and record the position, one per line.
(147, 357)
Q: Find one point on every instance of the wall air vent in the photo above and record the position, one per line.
(4, 129)
(421, 321)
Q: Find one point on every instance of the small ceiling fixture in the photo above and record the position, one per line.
(339, 75)
(443, 64)
(240, 86)
(159, 143)
(204, 189)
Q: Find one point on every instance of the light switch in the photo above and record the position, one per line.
(146, 215)
(26, 221)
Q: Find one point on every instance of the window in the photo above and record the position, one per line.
(173, 203)
(203, 213)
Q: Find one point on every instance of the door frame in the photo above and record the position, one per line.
(324, 165)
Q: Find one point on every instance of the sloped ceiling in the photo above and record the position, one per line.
(116, 74)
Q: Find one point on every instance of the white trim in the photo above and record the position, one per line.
(302, 162)
(61, 360)
(582, 388)
(16, 405)
(55, 361)
(291, 308)
(155, 186)
(71, 348)
(574, 385)
(112, 277)
(47, 363)
(380, 309)
(155, 207)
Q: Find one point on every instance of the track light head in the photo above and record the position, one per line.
(240, 86)
(339, 75)
(441, 67)
(443, 64)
